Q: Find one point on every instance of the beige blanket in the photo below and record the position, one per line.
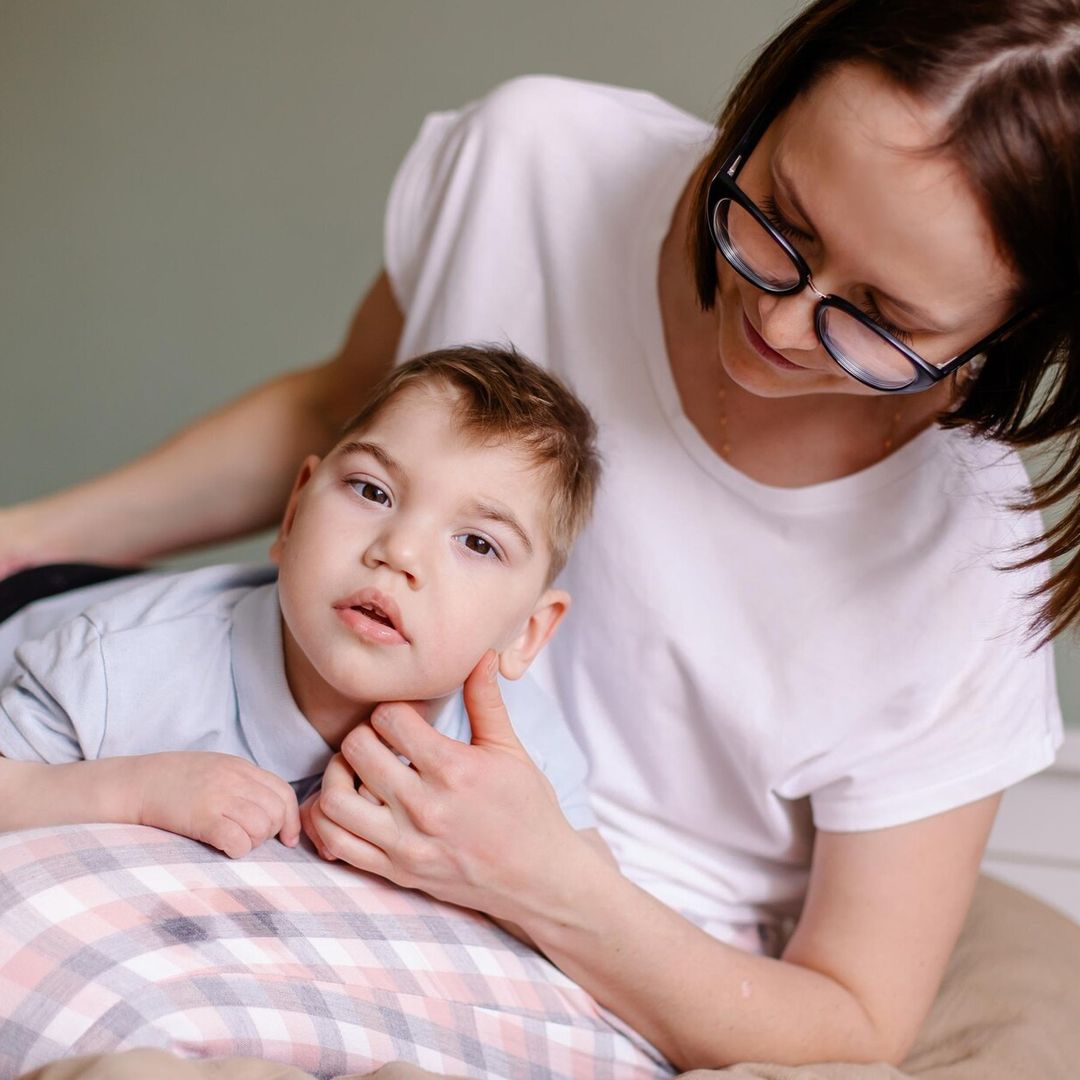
(1009, 1009)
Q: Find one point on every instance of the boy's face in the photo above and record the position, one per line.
(406, 554)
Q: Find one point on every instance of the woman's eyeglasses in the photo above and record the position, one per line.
(759, 252)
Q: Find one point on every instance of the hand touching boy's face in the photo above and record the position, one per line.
(408, 552)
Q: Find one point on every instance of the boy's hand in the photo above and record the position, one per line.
(222, 800)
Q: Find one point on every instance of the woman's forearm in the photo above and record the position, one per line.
(703, 1003)
(220, 477)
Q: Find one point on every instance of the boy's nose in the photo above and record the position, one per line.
(397, 549)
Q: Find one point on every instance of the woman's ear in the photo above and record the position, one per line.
(515, 659)
(307, 469)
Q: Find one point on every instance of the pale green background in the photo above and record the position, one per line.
(191, 191)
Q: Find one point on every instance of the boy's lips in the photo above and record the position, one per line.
(374, 615)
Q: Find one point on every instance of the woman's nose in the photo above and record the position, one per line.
(787, 322)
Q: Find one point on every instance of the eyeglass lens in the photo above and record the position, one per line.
(755, 253)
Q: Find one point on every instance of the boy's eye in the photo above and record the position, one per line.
(372, 492)
(478, 544)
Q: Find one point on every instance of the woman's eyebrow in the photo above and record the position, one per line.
(921, 314)
(362, 446)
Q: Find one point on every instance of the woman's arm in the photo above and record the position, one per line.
(223, 476)
(882, 914)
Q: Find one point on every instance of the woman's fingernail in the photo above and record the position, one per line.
(492, 665)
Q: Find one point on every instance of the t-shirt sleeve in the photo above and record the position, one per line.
(992, 720)
(416, 200)
(544, 733)
(457, 212)
(53, 708)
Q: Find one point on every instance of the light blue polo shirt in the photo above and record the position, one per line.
(194, 661)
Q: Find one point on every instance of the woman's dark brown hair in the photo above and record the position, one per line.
(1005, 75)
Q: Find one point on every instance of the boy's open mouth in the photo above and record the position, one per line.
(373, 612)
(376, 606)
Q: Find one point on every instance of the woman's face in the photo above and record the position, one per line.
(896, 231)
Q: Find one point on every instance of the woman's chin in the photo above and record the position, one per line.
(757, 376)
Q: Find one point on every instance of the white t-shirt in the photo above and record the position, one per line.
(742, 662)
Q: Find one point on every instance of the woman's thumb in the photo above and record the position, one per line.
(488, 718)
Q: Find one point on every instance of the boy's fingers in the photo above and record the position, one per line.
(290, 829)
(278, 799)
(230, 837)
(488, 718)
(257, 820)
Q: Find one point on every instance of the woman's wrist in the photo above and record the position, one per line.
(565, 903)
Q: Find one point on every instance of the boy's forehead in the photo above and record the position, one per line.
(428, 415)
(426, 426)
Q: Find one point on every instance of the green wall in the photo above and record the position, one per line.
(191, 191)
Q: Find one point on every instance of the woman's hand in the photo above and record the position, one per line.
(477, 825)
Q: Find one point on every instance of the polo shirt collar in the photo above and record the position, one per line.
(277, 732)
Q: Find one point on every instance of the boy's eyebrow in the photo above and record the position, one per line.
(362, 446)
(502, 515)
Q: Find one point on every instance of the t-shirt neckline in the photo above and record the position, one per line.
(659, 208)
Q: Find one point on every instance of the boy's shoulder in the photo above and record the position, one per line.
(154, 598)
(129, 603)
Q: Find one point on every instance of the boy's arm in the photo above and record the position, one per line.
(35, 793)
(220, 799)
(53, 716)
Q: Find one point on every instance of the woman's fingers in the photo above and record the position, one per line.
(396, 728)
(334, 842)
(377, 765)
(342, 806)
(488, 718)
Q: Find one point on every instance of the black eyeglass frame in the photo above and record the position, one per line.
(723, 186)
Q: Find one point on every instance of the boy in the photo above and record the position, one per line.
(206, 703)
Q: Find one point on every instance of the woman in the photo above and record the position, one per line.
(799, 670)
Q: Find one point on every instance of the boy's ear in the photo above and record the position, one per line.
(307, 468)
(515, 659)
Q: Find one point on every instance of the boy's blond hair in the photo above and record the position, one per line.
(505, 397)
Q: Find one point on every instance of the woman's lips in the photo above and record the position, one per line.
(758, 344)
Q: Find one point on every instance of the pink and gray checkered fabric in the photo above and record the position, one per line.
(113, 937)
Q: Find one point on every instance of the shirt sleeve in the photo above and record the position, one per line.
(991, 720)
(459, 200)
(544, 733)
(53, 708)
(415, 201)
